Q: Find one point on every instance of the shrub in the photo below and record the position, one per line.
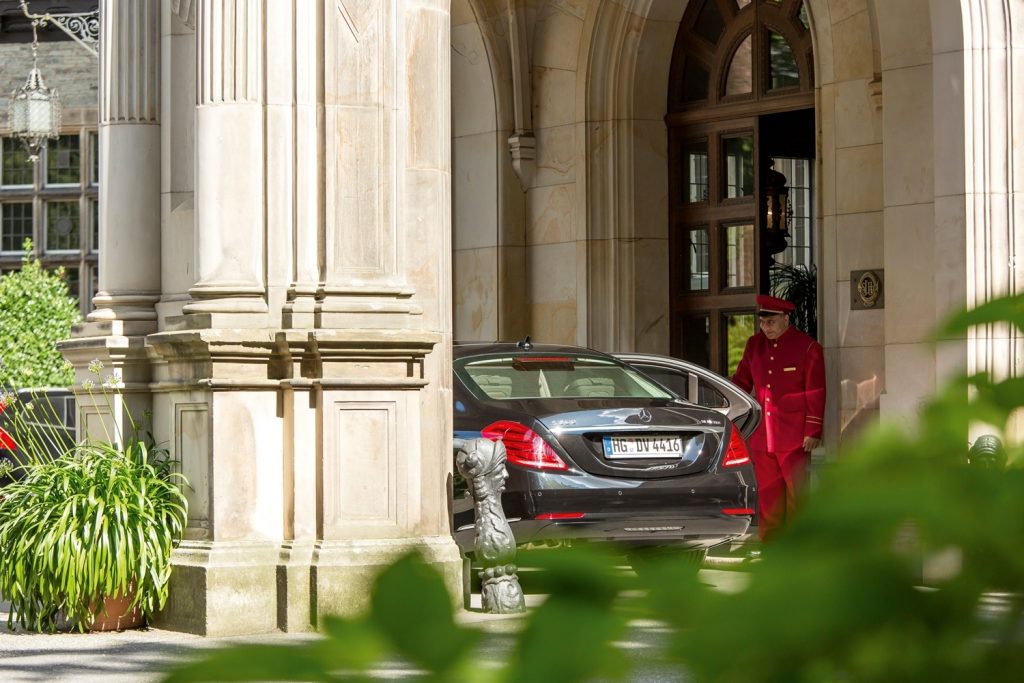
(36, 311)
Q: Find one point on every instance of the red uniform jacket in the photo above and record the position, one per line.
(787, 377)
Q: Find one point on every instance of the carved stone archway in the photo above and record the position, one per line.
(623, 81)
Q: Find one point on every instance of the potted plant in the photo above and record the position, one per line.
(798, 284)
(87, 532)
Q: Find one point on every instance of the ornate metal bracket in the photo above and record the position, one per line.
(84, 27)
(482, 463)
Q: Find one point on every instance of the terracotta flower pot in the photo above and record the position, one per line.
(114, 614)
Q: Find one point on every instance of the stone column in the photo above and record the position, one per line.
(309, 164)
(379, 360)
(129, 215)
(178, 125)
(129, 137)
(979, 178)
(306, 388)
(230, 178)
(364, 284)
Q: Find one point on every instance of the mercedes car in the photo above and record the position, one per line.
(600, 451)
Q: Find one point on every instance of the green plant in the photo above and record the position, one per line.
(798, 284)
(36, 311)
(840, 597)
(98, 521)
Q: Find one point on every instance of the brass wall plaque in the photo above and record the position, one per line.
(867, 289)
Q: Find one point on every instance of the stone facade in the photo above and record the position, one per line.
(317, 226)
(906, 92)
(64, 65)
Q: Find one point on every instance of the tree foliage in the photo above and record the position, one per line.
(36, 311)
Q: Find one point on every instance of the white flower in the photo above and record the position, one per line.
(110, 382)
(95, 366)
(88, 385)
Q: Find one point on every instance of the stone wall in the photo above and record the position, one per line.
(64, 65)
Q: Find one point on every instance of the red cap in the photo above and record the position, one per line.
(773, 304)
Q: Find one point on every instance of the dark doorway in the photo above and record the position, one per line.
(740, 96)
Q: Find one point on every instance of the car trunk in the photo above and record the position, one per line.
(646, 440)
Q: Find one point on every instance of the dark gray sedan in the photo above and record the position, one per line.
(598, 450)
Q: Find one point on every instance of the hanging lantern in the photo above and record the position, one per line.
(34, 109)
(776, 200)
(777, 210)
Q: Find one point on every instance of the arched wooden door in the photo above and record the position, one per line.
(740, 95)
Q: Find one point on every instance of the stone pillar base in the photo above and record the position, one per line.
(343, 571)
(294, 588)
(228, 589)
(222, 589)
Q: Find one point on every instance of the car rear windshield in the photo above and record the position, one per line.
(526, 376)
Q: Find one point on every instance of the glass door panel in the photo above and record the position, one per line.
(698, 260)
(739, 255)
(695, 339)
(799, 179)
(739, 166)
(696, 172)
(739, 327)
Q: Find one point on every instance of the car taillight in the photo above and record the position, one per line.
(524, 446)
(6, 440)
(560, 515)
(737, 453)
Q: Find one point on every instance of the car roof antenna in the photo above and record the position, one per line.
(525, 345)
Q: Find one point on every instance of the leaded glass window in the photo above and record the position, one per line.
(63, 161)
(16, 226)
(62, 226)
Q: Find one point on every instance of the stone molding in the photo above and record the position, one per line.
(234, 360)
(522, 143)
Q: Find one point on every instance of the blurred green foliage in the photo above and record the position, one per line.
(849, 593)
(36, 311)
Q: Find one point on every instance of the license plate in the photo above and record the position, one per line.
(643, 447)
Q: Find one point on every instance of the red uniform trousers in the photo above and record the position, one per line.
(781, 478)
